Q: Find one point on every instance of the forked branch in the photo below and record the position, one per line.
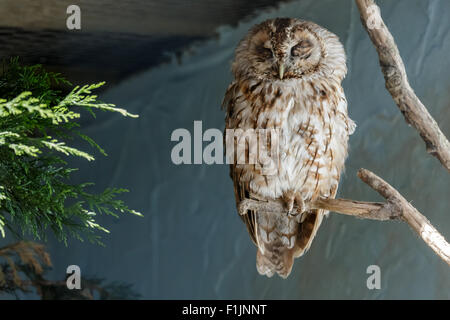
(395, 208)
(408, 213)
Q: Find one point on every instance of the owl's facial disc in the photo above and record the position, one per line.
(280, 49)
(284, 48)
(290, 55)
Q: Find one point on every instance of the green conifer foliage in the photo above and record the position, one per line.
(36, 122)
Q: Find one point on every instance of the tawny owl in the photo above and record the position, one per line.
(288, 75)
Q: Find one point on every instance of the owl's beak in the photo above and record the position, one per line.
(281, 70)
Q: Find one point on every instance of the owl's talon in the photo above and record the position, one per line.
(300, 206)
(289, 201)
(291, 207)
(294, 213)
(245, 205)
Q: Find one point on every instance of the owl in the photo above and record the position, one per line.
(287, 76)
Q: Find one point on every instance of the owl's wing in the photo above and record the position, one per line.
(310, 226)
(241, 190)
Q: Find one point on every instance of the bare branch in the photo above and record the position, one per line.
(395, 208)
(409, 214)
(364, 210)
(397, 84)
(359, 209)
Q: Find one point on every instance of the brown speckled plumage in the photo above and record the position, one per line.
(307, 104)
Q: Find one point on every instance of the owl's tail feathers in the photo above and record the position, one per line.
(276, 257)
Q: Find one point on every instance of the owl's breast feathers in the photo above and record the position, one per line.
(311, 118)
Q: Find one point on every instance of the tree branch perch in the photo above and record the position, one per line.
(409, 214)
(397, 83)
(395, 208)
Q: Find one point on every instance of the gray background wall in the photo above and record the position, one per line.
(191, 242)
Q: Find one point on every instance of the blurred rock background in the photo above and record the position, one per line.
(117, 38)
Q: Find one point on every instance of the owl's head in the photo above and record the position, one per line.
(286, 48)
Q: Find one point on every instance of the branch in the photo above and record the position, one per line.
(409, 214)
(395, 208)
(360, 209)
(415, 113)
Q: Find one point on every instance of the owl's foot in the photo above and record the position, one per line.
(266, 206)
(292, 199)
(289, 199)
(251, 205)
(300, 205)
(274, 206)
